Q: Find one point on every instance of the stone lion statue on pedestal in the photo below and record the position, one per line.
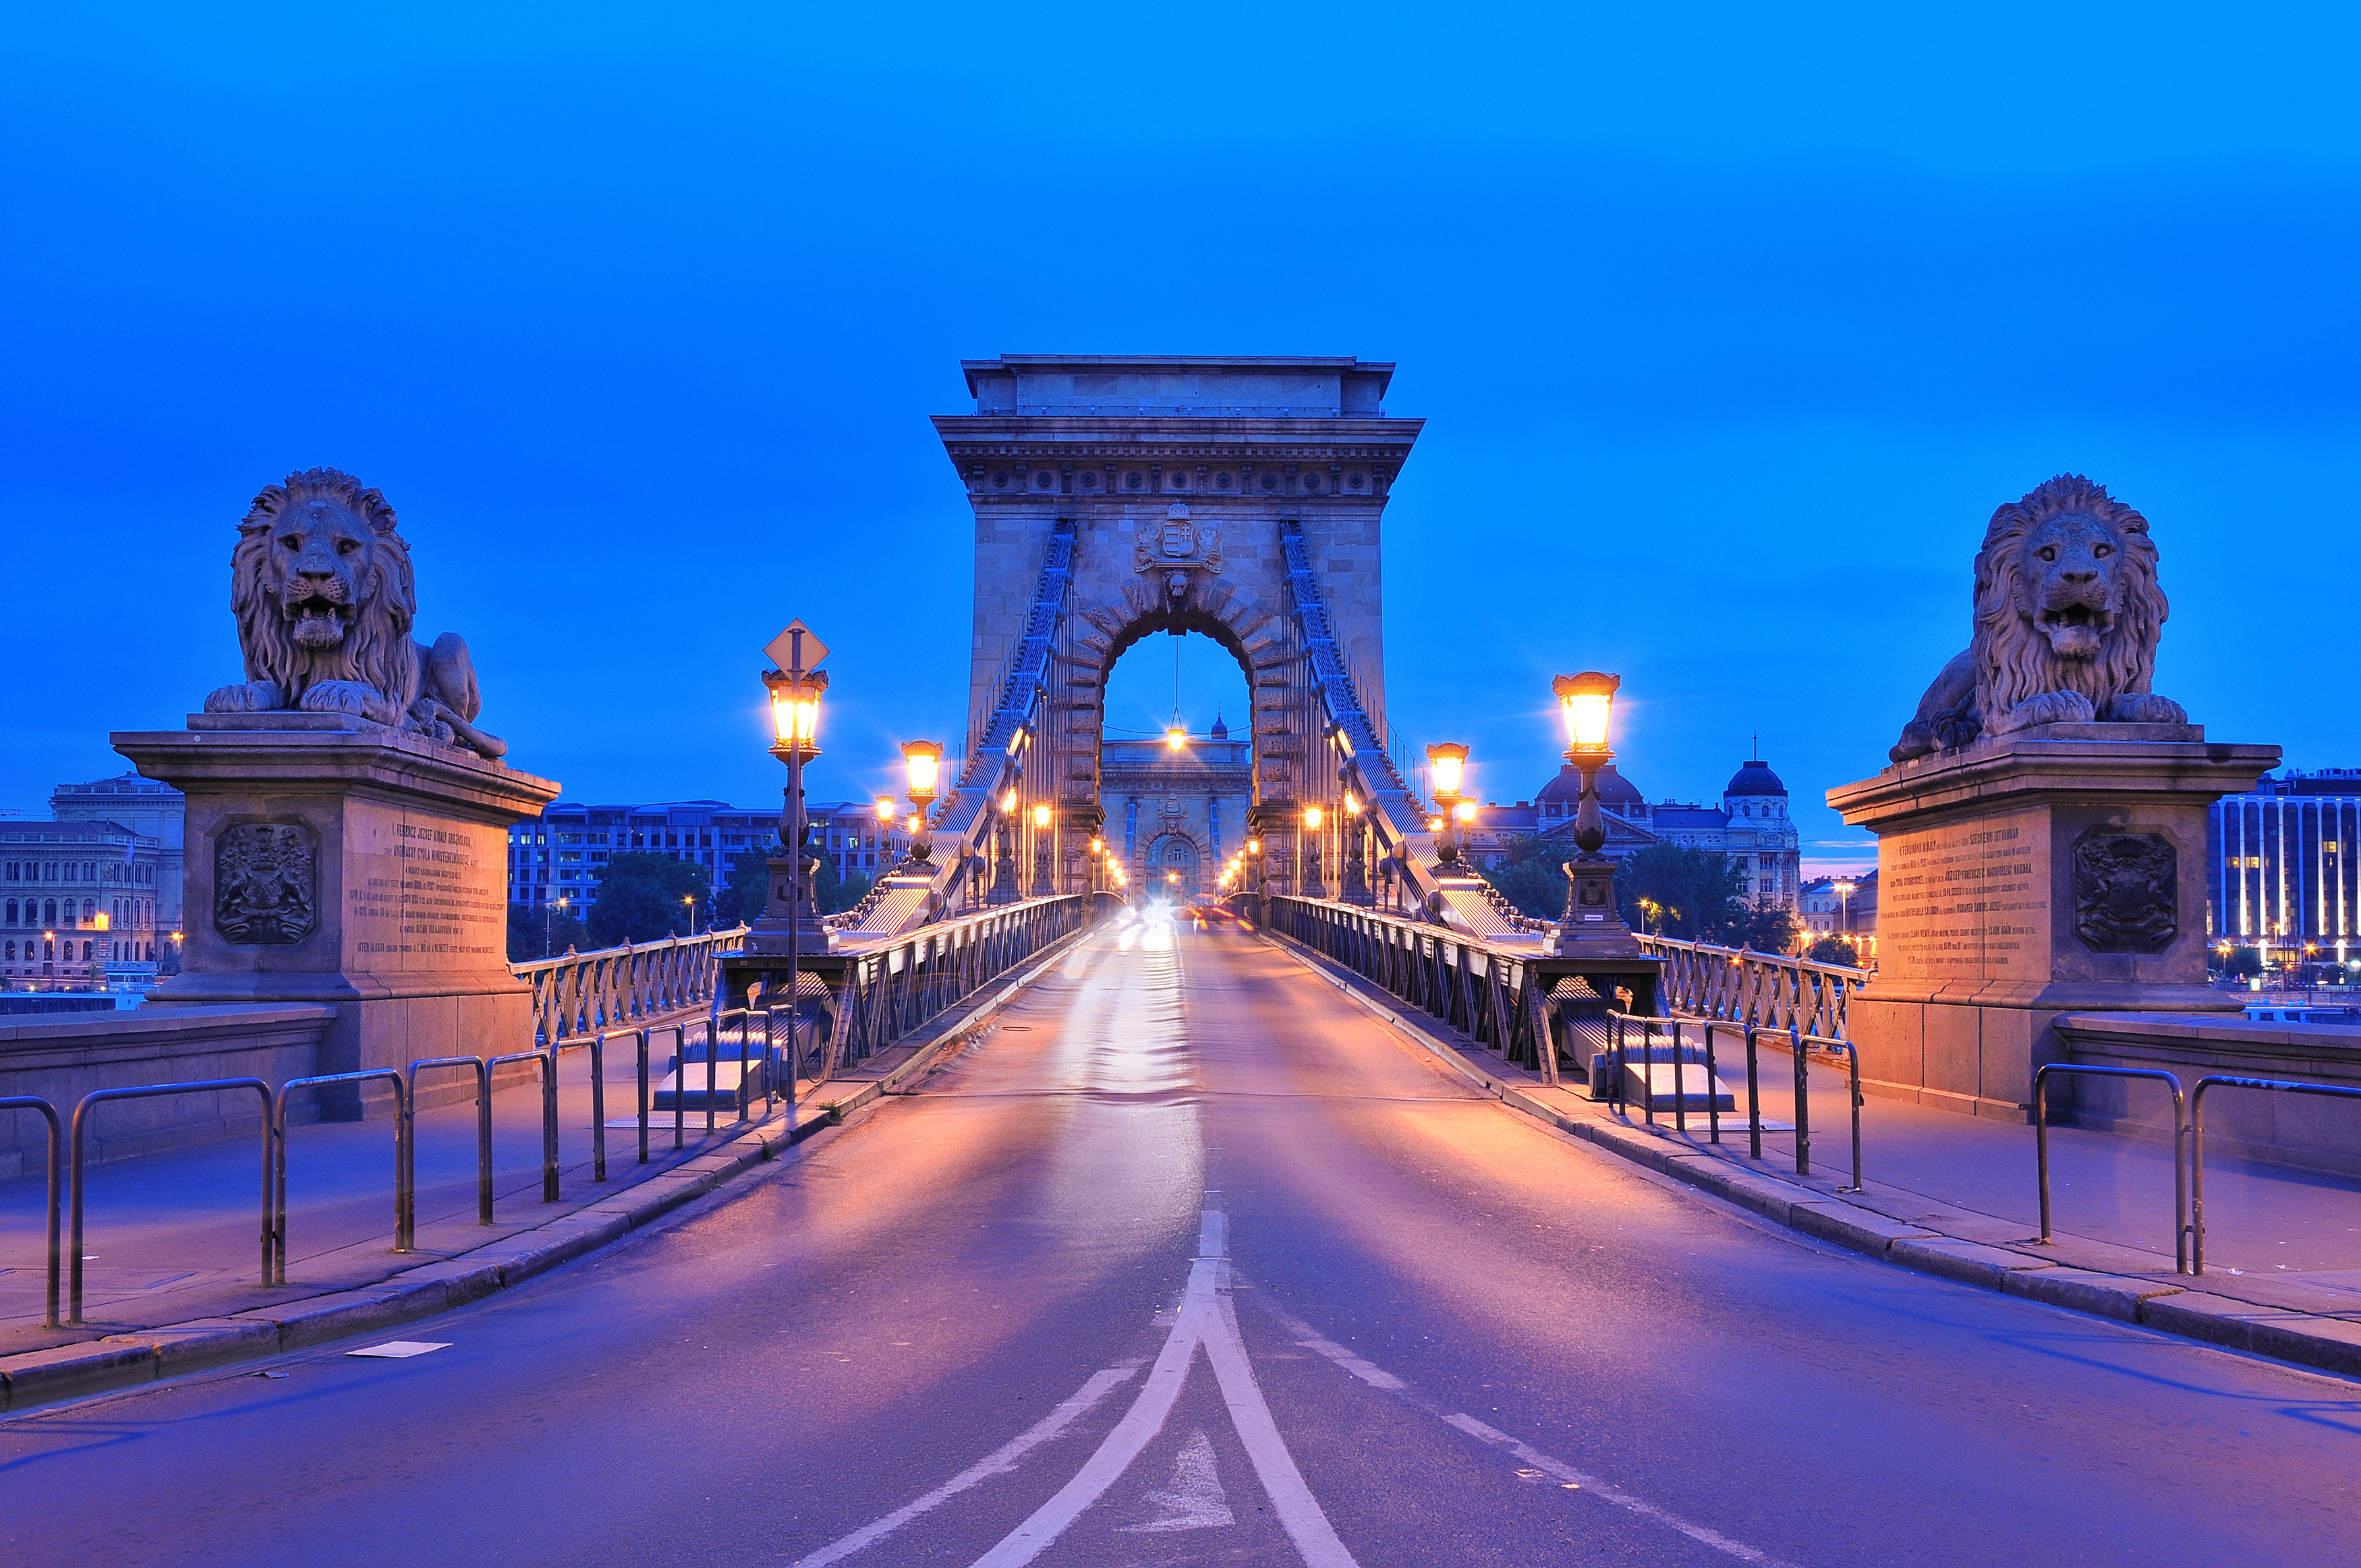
(2067, 617)
(320, 585)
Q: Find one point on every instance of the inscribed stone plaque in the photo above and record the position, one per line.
(424, 894)
(266, 882)
(1965, 900)
(2126, 891)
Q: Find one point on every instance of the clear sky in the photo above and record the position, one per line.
(1731, 327)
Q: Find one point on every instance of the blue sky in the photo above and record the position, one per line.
(1730, 329)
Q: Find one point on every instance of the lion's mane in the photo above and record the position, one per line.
(376, 652)
(2013, 660)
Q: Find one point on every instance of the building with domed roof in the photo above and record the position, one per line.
(1750, 826)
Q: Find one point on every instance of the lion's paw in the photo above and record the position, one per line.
(2053, 708)
(2143, 708)
(254, 696)
(356, 698)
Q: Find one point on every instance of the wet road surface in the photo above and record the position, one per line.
(1189, 1263)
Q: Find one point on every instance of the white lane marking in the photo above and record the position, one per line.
(1203, 1318)
(1141, 1422)
(999, 1461)
(1194, 1498)
(1377, 1377)
(1299, 1511)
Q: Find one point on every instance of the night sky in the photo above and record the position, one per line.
(1730, 332)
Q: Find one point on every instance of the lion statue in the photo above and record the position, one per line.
(2068, 613)
(320, 585)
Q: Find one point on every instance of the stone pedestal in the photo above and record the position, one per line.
(338, 861)
(2054, 869)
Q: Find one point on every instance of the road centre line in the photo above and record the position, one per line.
(999, 1461)
(1201, 1320)
(1378, 1378)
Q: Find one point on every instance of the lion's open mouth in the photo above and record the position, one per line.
(319, 619)
(2075, 630)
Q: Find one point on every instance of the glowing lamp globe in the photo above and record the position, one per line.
(1587, 703)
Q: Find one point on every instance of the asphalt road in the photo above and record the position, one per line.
(1189, 1263)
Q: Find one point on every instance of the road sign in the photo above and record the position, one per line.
(796, 649)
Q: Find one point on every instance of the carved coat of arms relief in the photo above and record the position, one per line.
(1177, 547)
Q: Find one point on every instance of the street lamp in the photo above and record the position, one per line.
(1844, 886)
(1446, 766)
(788, 914)
(1313, 886)
(689, 899)
(922, 762)
(1098, 864)
(1042, 842)
(1004, 875)
(1591, 924)
(886, 811)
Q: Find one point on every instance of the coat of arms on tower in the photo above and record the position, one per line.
(1177, 545)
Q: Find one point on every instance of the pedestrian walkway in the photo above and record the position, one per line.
(2110, 1192)
(175, 1236)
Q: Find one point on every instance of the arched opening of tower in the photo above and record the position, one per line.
(1176, 764)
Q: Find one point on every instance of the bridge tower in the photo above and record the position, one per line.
(1120, 496)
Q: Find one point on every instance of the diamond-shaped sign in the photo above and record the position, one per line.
(796, 649)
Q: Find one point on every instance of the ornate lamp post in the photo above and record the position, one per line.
(1446, 764)
(1312, 885)
(1044, 843)
(1004, 875)
(1261, 877)
(886, 814)
(789, 925)
(1098, 865)
(788, 920)
(1591, 924)
(1357, 878)
(922, 761)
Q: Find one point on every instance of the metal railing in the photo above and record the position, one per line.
(2197, 1144)
(1799, 1044)
(80, 1125)
(2181, 1132)
(1503, 1000)
(1739, 986)
(886, 991)
(57, 1149)
(612, 987)
(405, 1169)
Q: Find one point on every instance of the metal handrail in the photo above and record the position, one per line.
(483, 1126)
(2181, 1130)
(547, 1062)
(2197, 1141)
(57, 1147)
(405, 1169)
(1803, 1111)
(150, 1091)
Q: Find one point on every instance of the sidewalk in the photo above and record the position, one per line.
(172, 1241)
(175, 1236)
(1957, 1196)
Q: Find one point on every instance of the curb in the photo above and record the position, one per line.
(117, 1361)
(2307, 1339)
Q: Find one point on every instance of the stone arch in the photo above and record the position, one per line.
(1255, 638)
(1176, 849)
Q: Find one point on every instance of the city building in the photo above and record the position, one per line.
(77, 899)
(565, 854)
(1750, 826)
(2280, 863)
(150, 810)
(1176, 815)
(1845, 907)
